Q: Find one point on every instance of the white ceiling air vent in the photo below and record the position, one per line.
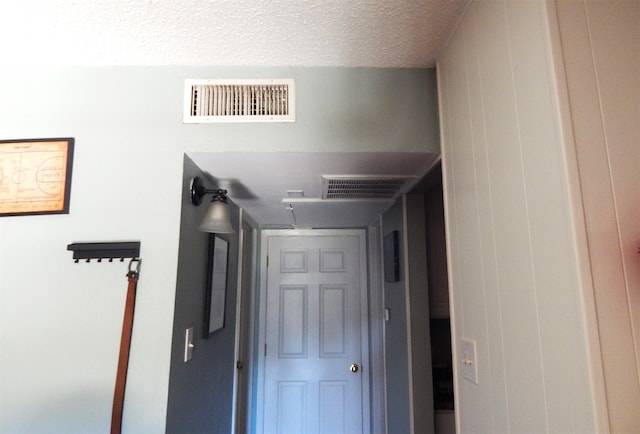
(368, 187)
(245, 100)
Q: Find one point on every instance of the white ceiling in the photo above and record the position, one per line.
(337, 33)
(374, 33)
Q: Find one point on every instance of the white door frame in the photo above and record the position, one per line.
(377, 326)
(364, 313)
(247, 276)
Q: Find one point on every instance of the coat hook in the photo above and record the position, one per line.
(107, 250)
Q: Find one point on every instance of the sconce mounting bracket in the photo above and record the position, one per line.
(197, 190)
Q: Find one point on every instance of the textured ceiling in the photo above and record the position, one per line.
(375, 33)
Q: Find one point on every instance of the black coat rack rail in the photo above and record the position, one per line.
(111, 251)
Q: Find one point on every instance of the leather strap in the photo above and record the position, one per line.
(125, 346)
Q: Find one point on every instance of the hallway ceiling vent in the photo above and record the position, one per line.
(367, 187)
(245, 100)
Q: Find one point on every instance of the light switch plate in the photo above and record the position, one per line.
(188, 344)
(469, 359)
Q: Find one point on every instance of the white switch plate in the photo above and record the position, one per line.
(469, 359)
(188, 344)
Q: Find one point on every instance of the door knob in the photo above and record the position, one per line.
(354, 368)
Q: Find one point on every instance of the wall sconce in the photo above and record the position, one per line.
(218, 216)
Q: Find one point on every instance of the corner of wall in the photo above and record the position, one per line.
(201, 390)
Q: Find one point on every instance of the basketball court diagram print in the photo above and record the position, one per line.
(35, 176)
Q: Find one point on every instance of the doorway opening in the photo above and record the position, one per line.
(243, 354)
(430, 189)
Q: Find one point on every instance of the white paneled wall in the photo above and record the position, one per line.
(513, 271)
(600, 54)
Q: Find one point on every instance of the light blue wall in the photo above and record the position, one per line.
(60, 322)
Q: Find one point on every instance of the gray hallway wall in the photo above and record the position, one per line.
(201, 390)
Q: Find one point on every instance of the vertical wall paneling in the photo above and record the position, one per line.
(512, 271)
(495, 360)
(592, 340)
(448, 191)
(618, 72)
(600, 51)
(545, 184)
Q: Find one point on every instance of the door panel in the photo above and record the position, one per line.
(313, 334)
(293, 320)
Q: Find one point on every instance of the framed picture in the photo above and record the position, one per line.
(216, 285)
(391, 257)
(35, 176)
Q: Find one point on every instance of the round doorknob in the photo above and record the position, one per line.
(354, 368)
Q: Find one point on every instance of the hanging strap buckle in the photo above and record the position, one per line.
(134, 267)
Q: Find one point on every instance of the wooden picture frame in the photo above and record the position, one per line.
(216, 291)
(35, 176)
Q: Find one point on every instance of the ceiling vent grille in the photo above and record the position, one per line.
(368, 187)
(251, 100)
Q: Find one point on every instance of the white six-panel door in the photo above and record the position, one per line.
(314, 377)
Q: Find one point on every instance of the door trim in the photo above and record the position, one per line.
(364, 314)
(377, 359)
(245, 329)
